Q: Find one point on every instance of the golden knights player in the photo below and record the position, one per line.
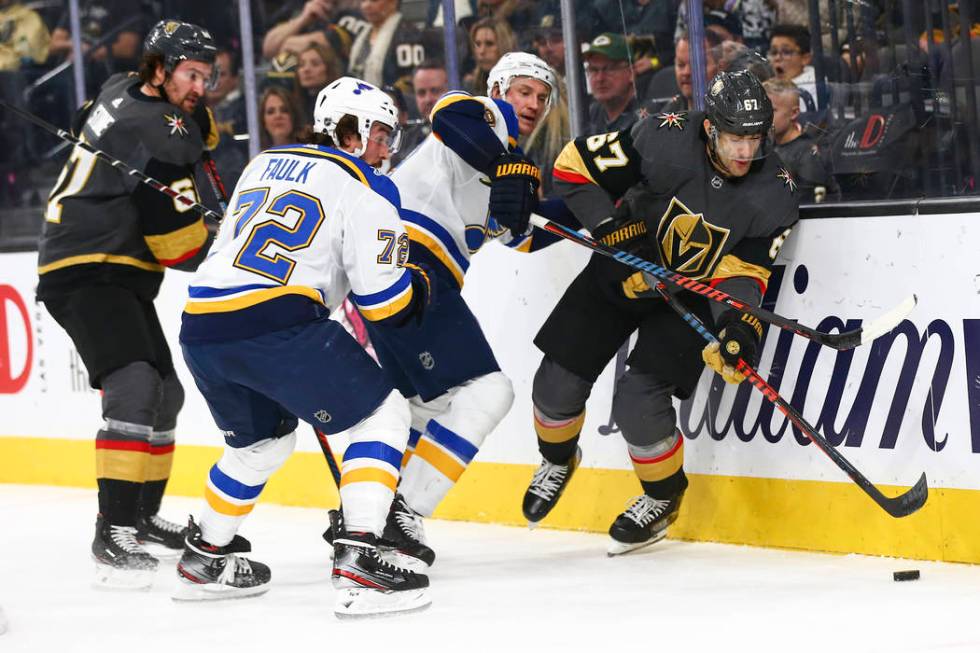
(106, 242)
(697, 192)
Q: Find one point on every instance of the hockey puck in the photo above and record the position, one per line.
(911, 574)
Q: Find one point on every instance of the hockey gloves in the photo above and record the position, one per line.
(514, 181)
(738, 339)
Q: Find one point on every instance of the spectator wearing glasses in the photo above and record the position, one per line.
(789, 54)
(610, 78)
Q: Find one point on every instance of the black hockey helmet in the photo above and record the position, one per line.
(178, 41)
(737, 103)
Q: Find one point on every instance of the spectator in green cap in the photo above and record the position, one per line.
(610, 78)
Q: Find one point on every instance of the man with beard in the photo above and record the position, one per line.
(106, 242)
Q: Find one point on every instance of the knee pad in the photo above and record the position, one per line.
(170, 404)
(477, 407)
(423, 411)
(254, 464)
(643, 410)
(131, 397)
(557, 393)
(389, 423)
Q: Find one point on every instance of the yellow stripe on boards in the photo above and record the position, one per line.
(811, 515)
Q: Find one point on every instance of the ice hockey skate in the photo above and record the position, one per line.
(643, 523)
(403, 540)
(368, 585)
(211, 573)
(120, 561)
(160, 537)
(546, 487)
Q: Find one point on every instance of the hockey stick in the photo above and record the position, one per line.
(115, 163)
(321, 437)
(840, 341)
(900, 506)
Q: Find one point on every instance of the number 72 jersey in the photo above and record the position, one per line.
(305, 226)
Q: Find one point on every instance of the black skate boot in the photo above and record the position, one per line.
(160, 536)
(546, 487)
(643, 523)
(210, 573)
(403, 540)
(367, 584)
(336, 518)
(120, 561)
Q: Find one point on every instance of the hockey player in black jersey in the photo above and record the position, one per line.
(698, 192)
(105, 245)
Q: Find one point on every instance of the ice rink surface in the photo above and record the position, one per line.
(494, 589)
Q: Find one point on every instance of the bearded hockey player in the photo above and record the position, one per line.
(106, 243)
(698, 192)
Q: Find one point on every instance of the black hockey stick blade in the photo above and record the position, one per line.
(908, 502)
(840, 341)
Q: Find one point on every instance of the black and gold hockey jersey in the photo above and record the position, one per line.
(694, 220)
(102, 225)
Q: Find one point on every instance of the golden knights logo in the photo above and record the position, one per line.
(170, 27)
(672, 119)
(689, 244)
(787, 179)
(176, 124)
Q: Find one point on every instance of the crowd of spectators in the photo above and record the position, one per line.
(878, 85)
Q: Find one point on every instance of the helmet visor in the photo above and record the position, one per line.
(392, 139)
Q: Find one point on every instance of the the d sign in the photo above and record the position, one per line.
(9, 299)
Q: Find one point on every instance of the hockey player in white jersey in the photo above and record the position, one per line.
(444, 364)
(306, 225)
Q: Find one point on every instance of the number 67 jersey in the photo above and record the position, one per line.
(305, 226)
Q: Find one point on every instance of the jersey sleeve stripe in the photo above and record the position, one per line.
(178, 245)
(431, 235)
(570, 167)
(732, 266)
(386, 303)
(250, 299)
(450, 98)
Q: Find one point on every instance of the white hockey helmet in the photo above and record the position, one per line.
(354, 97)
(523, 64)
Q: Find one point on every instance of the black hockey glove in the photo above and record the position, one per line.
(514, 181)
(739, 337)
